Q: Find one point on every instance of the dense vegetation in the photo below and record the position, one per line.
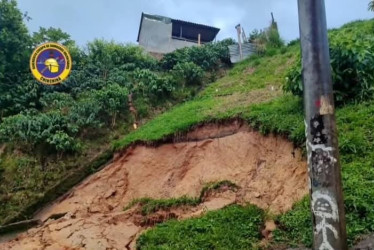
(47, 132)
(352, 63)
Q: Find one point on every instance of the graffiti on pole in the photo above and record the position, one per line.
(325, 209)
(322, 142)
(320, 157)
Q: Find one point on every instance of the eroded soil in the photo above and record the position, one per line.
(269, 171)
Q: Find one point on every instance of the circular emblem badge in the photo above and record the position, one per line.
(50, 63)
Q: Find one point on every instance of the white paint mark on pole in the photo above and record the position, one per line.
(325, 208)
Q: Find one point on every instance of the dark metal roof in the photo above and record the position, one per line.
(190, 30)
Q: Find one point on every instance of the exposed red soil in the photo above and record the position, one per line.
(269, 171)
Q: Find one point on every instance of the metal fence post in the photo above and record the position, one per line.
(321, 138)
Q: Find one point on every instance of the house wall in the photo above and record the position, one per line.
(155, 36)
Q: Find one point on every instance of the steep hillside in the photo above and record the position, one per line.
(266, 171)
(52, 137)
(252, 91)
(159, 161)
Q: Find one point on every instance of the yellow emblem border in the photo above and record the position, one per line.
(33, 63)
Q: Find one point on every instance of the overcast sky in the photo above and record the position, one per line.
(119, 20)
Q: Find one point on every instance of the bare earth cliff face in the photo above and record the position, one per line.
(269, 171)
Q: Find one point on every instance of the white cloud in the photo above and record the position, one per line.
(119, 19)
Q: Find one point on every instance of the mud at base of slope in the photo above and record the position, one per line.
(269, 170)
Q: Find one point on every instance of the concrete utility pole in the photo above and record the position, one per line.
(322, 144)
(239, 30)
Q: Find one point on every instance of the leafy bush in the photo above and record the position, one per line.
(15, 97)
(207, 56)
(56, 100)
(33, 129)
(152, 84)
(188, 72)
(203, 56)
(112, 100)
(85, 114)
(107, 55)
(352, 62)
(62, 142)
(222, 50)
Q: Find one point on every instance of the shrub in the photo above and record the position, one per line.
(222, 50)
(171, 59)
(208, 56)
(35, 130)
(204, 56)
(106, 55)
(273, 38)
(148, 83)
(63, 142)
(56, 100)
(85, 114)
(352, 62)
(112, 100)
(188, 72)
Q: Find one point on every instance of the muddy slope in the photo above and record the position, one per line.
(270, 172)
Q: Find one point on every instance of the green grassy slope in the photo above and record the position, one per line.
(252, 91)
(255, 80)
(208, 232)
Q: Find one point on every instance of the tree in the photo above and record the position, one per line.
(188, 73)
(112, 100)
(106, 56)
(51, 35)
(14, 53)
(371, 5)
(14, 41)
(39, 131)
(58, 36)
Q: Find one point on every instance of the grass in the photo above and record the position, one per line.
(210, 187)
(356, 145)
(180, 118)
(251, 91)
(252, 74)
(233, 227)
(149, 205)
(228, 97)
